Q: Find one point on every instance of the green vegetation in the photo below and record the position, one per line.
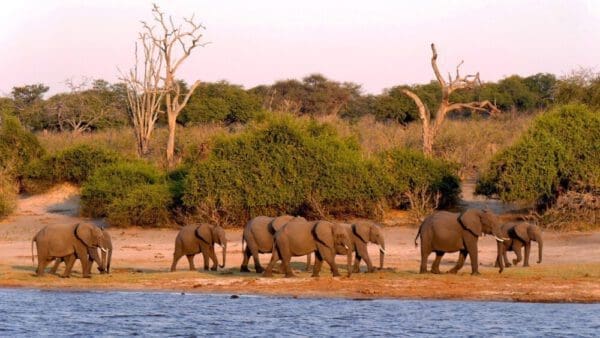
(558, 153)
(17, 147)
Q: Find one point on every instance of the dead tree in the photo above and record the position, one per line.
(432, 128)
(144, 94)
(168, 40)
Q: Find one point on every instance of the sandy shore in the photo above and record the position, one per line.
(570, 271)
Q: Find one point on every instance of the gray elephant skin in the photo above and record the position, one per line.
(68, 242)
(301, 237)
(361, 234)
(258, 239)
(105, 257)
(200, 238)
(520, 234)
(445, 231)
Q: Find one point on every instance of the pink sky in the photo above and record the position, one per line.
(374, 43)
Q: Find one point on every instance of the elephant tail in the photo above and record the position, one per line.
(417, 237)
(243, 243)
(32, 260)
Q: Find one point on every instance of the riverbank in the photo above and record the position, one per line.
(570, 271)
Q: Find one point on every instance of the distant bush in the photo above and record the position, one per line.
(558, 153)
(17, 146)
(119, 188)
(293, 166)
(74, 165)
(8, 195)
(144, 205)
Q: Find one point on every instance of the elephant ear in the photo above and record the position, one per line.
(521, 232)
(471, 220)
(362, 231)
(203, 232)
(84, 233)
(323, 232)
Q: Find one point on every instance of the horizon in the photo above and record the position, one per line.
(377, 46)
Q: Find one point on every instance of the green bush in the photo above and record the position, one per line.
(17, 146)
(144, 205)
(117, 182)
(558, 153)
(74, 165)
(295, 166)
(8, 195)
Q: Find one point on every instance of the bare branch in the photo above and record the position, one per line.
(438, 75)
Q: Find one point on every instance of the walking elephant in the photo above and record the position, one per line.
(300, 237)
(445, 231)
(68, 242)
(105, 257)
(199, 238)
(258, 237)
(363, 233)
(520, 235)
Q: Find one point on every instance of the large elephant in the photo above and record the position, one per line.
(520, 235)
(258, 237)
(105, 257)
(363, 233)
(199, 238)
(68, 242)
(301, 237)
(445, 231)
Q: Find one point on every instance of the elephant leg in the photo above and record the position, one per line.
(254, 251)
(364, 254)
(506, 260)
(356, 265)
(69, 261)
(176, 256)
(425, 252)
(42, 263)
(55, 266)
(190, 259)
(247, 254)
(527, 251)
(213, 257)
(307, 262)
(517, 250)
(318, 264)
(328, 256)
(461, 261)
(205, 258)
(471, 248)
(274, 258)
(435, 267)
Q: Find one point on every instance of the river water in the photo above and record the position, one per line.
(25, 312)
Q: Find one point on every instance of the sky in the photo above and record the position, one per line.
(375, 43)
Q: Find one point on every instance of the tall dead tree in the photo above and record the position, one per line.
(144, 94)
(169, 39)
(432, 128)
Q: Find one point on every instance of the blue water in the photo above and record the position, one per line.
(35, 312)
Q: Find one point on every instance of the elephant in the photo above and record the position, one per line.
(103, 263)
(521, 234)
(258, 236)
(300, 237)
(200, 238)
(362, 233)
(68, 241)
(445, 231)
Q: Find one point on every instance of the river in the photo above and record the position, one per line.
(25, 312)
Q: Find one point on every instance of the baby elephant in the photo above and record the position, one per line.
(199, 238)
(520, 235)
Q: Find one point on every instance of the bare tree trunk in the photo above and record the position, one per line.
(172, 119)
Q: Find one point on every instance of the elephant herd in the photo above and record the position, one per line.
(288, 236)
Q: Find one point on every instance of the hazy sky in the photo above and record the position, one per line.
(374, 43)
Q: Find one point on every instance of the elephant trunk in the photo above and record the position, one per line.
(104, 261)
(540, 245)
(349, 252)
(381, 254)
(224, 248)
(109, 258)
(500, 245)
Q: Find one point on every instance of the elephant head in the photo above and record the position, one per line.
(106, 242)
(369, 232)
(90, 235)
(480, 222)
(334, 235)
(530, 232)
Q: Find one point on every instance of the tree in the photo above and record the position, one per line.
(27, 95)
(170, 38)
(431, 128)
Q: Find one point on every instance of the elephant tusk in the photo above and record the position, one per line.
(499, 239)
(382, 249)
(103, 250)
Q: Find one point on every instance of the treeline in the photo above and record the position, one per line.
(100, 105)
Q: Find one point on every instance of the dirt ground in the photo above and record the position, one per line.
(570, 271)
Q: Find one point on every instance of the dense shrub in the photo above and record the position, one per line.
(8, 195)
(297, 166)
(119, 188)
(17, 146)
(74, 165)
(558, 153)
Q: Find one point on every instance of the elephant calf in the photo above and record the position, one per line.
(361, 234)
(520, 235)
(199, 238)
(68, 242)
